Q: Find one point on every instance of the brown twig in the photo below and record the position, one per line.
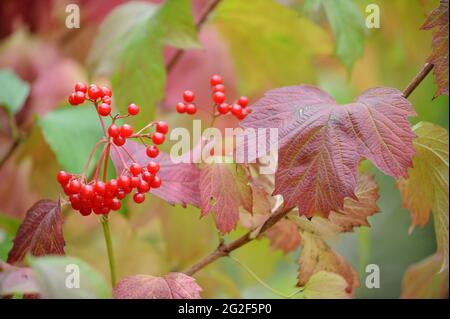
(179, 53)
(225, 249)
(418, 79)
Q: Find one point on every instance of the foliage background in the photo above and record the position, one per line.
(255, 45)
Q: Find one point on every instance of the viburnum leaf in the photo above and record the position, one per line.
(424, 281)
(224, 188)
(438, 21)
(174, 285)
(321, 142)
(179, 180)
(40, 233)
(317, 256)
(14, 91)
(426, 189)
(284, 235)
(16, 280)
(326, 285)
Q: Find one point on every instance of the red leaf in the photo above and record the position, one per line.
(40, 233)
(16, 280)
(322, 142)
(284, 235)
(171, 286)
(179, 180)
(223, 189)
(438, 20)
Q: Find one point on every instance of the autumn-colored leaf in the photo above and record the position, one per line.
(224, 189)
(284, 235)
(16, 280)
(171, 286)
(438, 21)
(322, 142)
(40, 233)
(424, 281)
(317, 256)
(426, 189)
(180, 181)
(326, 285)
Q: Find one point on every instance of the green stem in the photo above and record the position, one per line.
(109, 247)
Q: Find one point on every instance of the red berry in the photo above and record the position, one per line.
(133, 109)
(152, 151)
(181, 107)
(112, 186)
(242, 115)
(121, 194)
(191, 109)
(153, 167)
(63, 177)
(87, 191)
(216, 79)
(81, 87)
(188, 96)
(75, 186)
(115, 204)
(162, 127)
(79, 97)
(104, 109)
(135, 181)
(219, 88)
(97, 200)
(106, 99)
(85, 211)
(243, 101)
(156, 182)
(72, 99)
(124, 182)
(126, 130)
(106, 91)
(158, 138)
(223, 108)
(100, 187)
(135, 169)
(236, 109)
(75, 198)
(119, 140)
(147, 176)
(113, 130)
(94, 92)
(219, 97)
(138, 198)
(143, 186)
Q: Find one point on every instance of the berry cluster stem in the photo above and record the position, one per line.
(109, 247)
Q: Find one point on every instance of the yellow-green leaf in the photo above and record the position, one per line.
(326, 285)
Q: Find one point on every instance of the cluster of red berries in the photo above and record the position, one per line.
(238, 109)
(101, 197)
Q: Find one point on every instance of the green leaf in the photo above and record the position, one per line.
(348, 25)
(326, 285)
(134, 50)
(72, 133)
(271, 44)
(13, 92)
(54, 277)
(9, 224)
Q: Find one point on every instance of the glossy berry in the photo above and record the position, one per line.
(121, 194)
(143, 186)
(135, 181)
(236, 109)
(115, 204)
(138, 198)
(104, 109)
(124, 182)
(216, 79)
(147, 176)
(80, 87)
(242, 114)
(85, 211)
(72, 99)
(106, 91)
(126, 130)
(243, 101)
(188, 96)
(219, 88)
(153, 167)
(191, 109)
(112, 186)
(106, 99)
(152, 151)
(94, 92)
(100, 188)
(63, 177)
(75, 186)
(223, 108)
(113, 130)
(181, 107)
(87, 191)
(119, 140)
(79, 97)
(156, 182)
(135, 169)
(75, 198)
(162, 127)
(133, 109)
(158, 138)
(219, 97)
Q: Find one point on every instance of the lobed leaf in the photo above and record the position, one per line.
(325, 285)
(321, 142)
(40, 233)
(171, 286)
